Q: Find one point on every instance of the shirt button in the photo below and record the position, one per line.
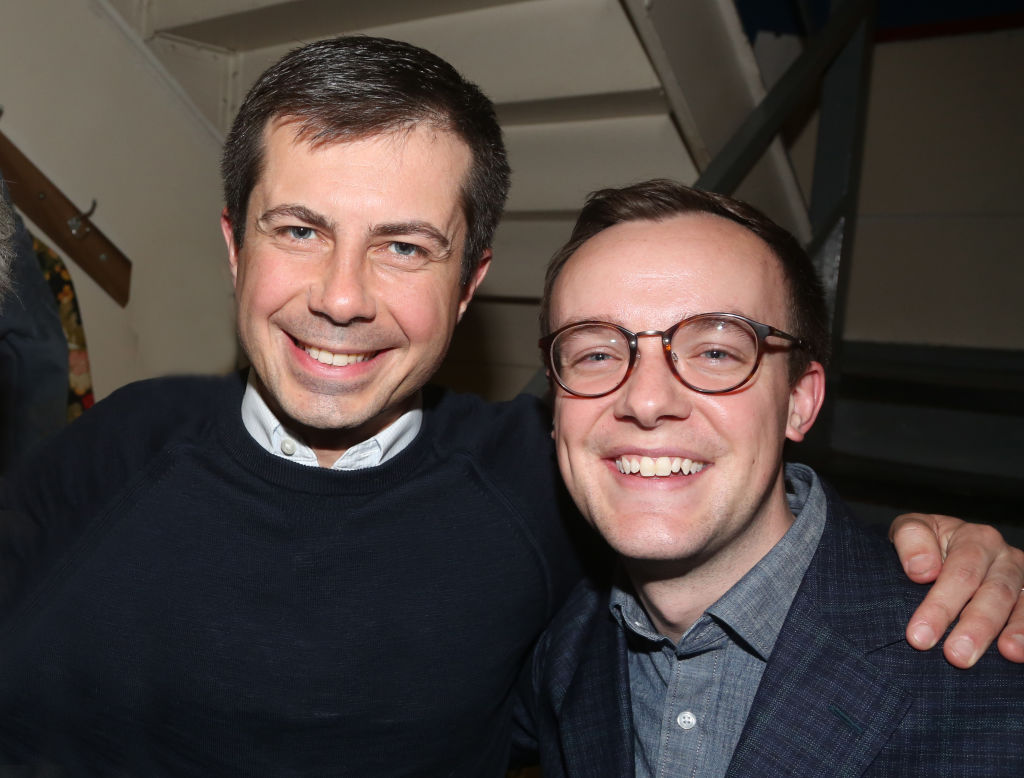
(287, 447)
(686, 720)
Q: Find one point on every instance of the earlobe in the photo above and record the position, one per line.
(805, 400)
(470, 288)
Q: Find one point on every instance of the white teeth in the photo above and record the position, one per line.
(326, 357)
(657, 466)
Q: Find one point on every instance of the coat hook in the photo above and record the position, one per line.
(78, 225)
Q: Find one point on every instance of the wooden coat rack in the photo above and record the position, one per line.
(48, 207)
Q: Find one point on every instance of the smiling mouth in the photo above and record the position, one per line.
(649, 467)
(337, 359)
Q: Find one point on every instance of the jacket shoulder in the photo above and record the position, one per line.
(844, 687)
(568, 635)
(857, 582)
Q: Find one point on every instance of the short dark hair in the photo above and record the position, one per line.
(353, 87)
(660, 199)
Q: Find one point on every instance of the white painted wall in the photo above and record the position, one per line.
(938, 257)
(937, 253)
(91, 108)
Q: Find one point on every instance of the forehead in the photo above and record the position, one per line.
(413, 173)
(650, 274)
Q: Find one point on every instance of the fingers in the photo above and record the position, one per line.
(1011, 641)
(917, 541)
(959, 579)
(995, 602)
(984, 574)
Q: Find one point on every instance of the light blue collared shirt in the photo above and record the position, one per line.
(273, 436)
(690, 701)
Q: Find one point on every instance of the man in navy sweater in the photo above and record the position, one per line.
(322, 568)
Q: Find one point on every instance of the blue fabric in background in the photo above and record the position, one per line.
(782, 16)
(33, 354)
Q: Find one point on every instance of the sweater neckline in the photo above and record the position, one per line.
(257, 461)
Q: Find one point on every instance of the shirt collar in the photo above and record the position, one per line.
(273, 436)
(755, 608)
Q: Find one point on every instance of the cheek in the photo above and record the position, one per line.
(264, 283)
(425, 310)
(558, 430)
(573, 422)
(745, 413)
(753, 426)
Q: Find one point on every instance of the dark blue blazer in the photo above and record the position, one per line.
(843, 694)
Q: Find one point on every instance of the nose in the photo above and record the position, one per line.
(653, 393)
(342, 290)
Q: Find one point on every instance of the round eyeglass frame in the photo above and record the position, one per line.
(760, 331)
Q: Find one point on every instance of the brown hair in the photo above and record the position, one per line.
(660, 199)
(353, 87)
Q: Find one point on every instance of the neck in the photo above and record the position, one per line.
(330, 444)
(675, 593)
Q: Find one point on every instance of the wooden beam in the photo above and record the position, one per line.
(66, 225)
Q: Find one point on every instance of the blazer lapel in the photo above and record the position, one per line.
(820, 710)
(821, 707)
(595, 722)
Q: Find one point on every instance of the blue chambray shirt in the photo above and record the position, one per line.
(690, 700)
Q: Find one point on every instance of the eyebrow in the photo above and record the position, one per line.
(387, 230)
(296, 211)
(582, 319)
(610, 319)
(424, 229)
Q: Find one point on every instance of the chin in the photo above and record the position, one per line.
(652, 544)
(319, 413)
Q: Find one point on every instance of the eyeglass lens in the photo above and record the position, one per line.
(712, 354)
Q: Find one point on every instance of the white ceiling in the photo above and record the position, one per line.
(591, 93)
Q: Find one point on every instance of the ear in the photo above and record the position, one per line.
(474, 281)
(229, 239)
(805, 400)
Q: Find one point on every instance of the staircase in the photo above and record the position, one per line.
(591, 93)
(596, 93)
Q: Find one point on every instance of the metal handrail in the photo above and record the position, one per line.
(746, 146)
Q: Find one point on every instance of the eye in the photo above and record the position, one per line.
(300, 233)
(716, 354)
(404, 249)
(592, 359)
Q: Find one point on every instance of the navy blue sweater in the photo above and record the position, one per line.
(178, 601)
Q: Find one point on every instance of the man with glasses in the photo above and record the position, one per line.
(751, 628)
